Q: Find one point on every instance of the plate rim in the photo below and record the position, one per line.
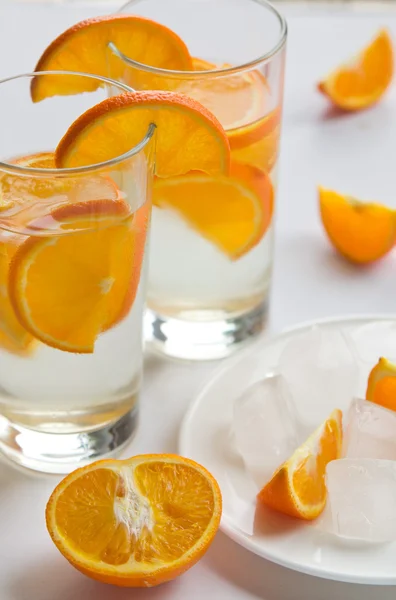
(225, 526)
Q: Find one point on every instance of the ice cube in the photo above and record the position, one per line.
(266, 427)
(362, 498)
(370, 431)
(321, 371)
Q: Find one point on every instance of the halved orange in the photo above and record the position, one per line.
(84, 48)
(363, 81)
(233, 212)
(137, 522)
(361, 232)
(381, 385)
(298, 487)
(69, 287)
(188, 136)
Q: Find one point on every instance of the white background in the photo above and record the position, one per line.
(352, 153)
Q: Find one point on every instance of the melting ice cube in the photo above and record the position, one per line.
(370, 432)
(266, 427)
(362, 498)
(321, 371)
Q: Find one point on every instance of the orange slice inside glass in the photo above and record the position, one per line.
(298, 487)
(381, 385)
(233, 212)
(137, 522)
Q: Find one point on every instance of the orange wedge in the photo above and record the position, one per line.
(381, 386)
(188, 136)
(231, 212)
(298, 487)
(363, 81)
(361, 232)
(84, 48)
(136, 522)
(67, 289)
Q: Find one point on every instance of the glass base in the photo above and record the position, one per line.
(203, 338)
(61, 453)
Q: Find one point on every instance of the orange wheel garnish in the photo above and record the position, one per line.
(363, 81)
(67, 288)
(298, 487)
(84, 48)
(233, 212)
(137, 522)
(381, 386)
(188, 136)
(361, 232)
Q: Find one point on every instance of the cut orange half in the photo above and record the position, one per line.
(188, 136)
(85, 48)
(298, 487)
(231, 212)
(67, 288)
(363, 81)
(381, 385)
(361, 232)
(136, 522)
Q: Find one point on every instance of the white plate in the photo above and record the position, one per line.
(206, 437)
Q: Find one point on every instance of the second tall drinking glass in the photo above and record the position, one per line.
(212, 244)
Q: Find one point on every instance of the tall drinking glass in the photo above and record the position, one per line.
(212, 240)
(72, 264)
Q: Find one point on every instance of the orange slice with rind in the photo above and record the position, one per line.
(84, 48)
(66, 289)
(364, 80)
(232, 212)
(298, 487)
(361, 232)
(188, 135)
(381, 385)
(137, 522)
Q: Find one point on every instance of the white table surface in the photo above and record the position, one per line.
(352, 153)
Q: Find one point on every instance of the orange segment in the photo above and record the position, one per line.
(188, 136)
(137, 522)
(361, 232)
(381, 386)
(67, 289)
(363, 81)
(298, 487)
(231, 212)
(84, 48)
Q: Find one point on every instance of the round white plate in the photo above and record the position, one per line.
(206, 436)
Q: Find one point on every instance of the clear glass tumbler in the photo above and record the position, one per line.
(72, 264)
(212, 239)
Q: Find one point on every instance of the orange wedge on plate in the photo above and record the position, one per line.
(67, 289)
(84, 48)
(363, 81)
(361, 232)
(381, 386)
(298, 487)
(136, 522)
(188, 136)
(231, 212)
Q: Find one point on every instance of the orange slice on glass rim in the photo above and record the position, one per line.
(298, 487)
(381, 385)
(189, 137)
(361, 232)
(84, 48)
(364, 80)
(137, 522)
(67, 289)
(232, 212)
